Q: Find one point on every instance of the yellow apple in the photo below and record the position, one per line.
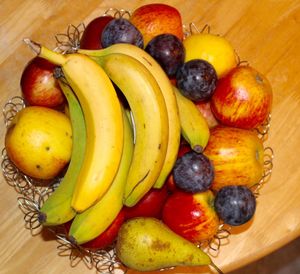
(39, 141)
(212, 48)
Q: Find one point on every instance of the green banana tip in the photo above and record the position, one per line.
(72, 240)
(35, 47)
(42, 217)
(198, 148)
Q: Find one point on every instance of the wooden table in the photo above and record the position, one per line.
(265, 33)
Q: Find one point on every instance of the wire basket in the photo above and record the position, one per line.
(33, 193)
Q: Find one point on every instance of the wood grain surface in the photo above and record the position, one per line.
(265, 33)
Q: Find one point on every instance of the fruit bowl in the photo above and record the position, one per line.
(27, 203)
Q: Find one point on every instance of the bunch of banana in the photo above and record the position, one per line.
(150, 117)
(104, 124)
(111, 167)
(166, 88)
(183, 115)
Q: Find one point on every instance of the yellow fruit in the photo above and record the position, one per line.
(214, 49)
(39, 141)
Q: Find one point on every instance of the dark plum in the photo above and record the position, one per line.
(235, 205)
(193, 172)
(197, 79)
(168, 51)
(121, 30)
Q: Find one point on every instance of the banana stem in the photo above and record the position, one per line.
(41, 51)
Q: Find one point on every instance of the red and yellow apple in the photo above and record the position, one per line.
(39, 86)
(237, 156)
(91, 36)
(150, 205)
(192, 216)
(243, 98)
(205, 109)
(154, 19)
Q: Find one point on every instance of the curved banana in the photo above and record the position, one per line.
(96, 219)
(57, 208)
(194, 127)
(150, 119)
(103, 117)
(166, 88)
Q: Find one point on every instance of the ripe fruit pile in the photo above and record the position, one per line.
(163, 128)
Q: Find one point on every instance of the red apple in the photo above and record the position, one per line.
(150, 205)
(237, 155)
(205, 109)
(191, 215)
(107, 237)
(171, 184)
(154, 19)
(38, 85)
(242, 98)
(91, 37)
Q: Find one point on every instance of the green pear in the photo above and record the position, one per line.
(147, 244)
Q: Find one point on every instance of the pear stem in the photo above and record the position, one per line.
(41, 51)
(219, 271)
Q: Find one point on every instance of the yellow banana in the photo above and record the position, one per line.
(150, 120)
(96, 219)
(57, 208)
(103, 117)
(166, 88)
(194, 127)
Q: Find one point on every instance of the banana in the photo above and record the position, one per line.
(150, 119)
(57, 208)
(194, 127)
(166, 88)
(103, 117)
(96, 219)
